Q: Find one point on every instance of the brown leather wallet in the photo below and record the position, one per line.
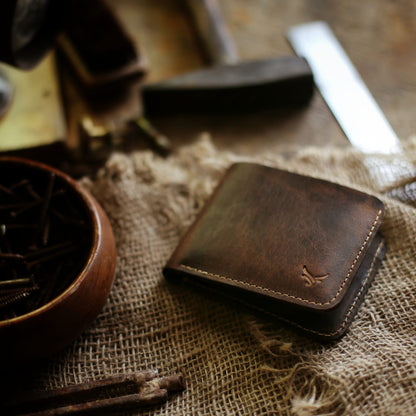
(301, 249)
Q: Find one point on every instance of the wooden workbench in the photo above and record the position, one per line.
(378, 37)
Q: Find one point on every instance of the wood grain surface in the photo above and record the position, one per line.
(377, 36)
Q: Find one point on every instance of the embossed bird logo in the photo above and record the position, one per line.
(310, 279)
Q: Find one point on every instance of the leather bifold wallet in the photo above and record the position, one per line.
(301, 249)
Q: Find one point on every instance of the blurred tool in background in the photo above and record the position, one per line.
(32, 116)
(6, 92)
(28, 29)
(105, 63)
(107, 66)
(100, 73)
(230, 85)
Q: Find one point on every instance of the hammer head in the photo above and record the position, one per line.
(243, 87)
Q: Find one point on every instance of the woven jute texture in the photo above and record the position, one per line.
(236, 363)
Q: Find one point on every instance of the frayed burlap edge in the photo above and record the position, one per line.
(237, 363)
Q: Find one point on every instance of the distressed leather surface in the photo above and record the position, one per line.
(299, 248)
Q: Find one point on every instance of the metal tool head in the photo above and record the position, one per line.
(243, 87)
(6, 93)
(28, 29)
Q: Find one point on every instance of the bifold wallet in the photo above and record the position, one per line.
(301, 249)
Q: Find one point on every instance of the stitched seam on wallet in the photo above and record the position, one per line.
(351, 309)
(264, 289)
(347, 315)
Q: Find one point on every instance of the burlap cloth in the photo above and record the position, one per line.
(236, 363)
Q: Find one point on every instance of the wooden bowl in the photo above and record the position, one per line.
(52, 326)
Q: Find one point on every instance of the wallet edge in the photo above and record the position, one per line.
(177, 274)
